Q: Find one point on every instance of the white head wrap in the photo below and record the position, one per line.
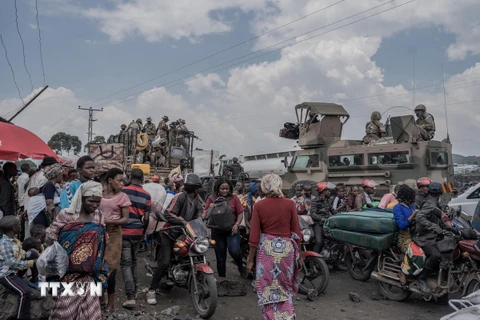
(272, 185)
(86, 189)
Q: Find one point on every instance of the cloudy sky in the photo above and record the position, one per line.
(235, 69)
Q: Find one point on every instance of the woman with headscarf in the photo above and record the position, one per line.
(54, 174)
(274, 240)
(80, 231)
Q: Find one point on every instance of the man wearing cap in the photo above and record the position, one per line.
(374, 129)
(425, 124)
(150, 129)
(162, 129)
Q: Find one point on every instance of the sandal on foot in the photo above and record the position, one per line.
(107, 312)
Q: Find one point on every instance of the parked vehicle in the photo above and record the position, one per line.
(467, 200)
(189, 267)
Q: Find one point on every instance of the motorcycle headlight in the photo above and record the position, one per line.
(307, 235)
(201, 245)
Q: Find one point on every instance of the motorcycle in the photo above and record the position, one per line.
(360, 262)
(333, 252)
(314, 274)
(189, 267)
(462, 274)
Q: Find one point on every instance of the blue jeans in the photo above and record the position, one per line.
(224, 240)
(128, 264)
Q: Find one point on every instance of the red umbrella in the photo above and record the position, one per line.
(19, 143)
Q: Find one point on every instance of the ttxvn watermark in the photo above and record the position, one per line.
(71, 289)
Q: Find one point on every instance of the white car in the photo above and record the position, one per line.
(468, 200)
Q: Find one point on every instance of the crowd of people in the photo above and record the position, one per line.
(103, 221)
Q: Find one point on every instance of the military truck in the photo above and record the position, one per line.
(389, 161)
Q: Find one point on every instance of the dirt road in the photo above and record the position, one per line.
(333, 305)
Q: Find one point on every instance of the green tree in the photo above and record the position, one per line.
(63, 142)
(99, 139)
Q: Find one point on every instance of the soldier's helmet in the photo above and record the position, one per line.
(139, 120)
(165, 118)
(235, 159)
(420, 107)
(376, 116)
(149, 119)
(182, 121)
(123, 126)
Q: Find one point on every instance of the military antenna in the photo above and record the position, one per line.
(445, 103)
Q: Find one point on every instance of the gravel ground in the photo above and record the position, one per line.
(333, 304)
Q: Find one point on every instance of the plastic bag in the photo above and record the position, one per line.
(53, 261)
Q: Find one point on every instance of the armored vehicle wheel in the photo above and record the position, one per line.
(291, 192)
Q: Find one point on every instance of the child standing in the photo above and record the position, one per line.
(13, 259)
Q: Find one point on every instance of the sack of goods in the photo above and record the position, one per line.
(373, 229)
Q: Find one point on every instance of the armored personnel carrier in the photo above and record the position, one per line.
(389, 161)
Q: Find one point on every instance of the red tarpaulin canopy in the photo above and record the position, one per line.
(19, 143)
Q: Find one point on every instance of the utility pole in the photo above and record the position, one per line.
(90, 121)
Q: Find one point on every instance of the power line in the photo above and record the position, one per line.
(23, 45)
(11, 69)
(372, 98)
(40, 40)
(130, 97)
(216, 53)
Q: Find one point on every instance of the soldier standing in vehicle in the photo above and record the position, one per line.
(236, 168)
(172, 134)
(374, 129)
(162, 129)
(160, 154)
(182, 132)
(425, 124)
(136, 125)
(150, 129)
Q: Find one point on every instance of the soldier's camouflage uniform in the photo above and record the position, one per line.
(374, 129)
(160, 156)
(150, 130)
(182, 131)
(425, 128)
(162, 130)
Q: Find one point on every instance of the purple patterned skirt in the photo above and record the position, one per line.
(277, 276)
